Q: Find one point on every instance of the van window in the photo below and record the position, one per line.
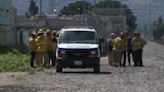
(78, 37)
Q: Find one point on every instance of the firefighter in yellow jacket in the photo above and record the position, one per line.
(32, 47)
(42, 48)
(51, 47)
(117, 50)
(137, 46)
(124, 49)
(110, 47)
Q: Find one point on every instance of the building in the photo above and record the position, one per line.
(7, 23)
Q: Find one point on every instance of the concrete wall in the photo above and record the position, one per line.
(23, 35)
(8, 37)
(15, 38)
(50, 23)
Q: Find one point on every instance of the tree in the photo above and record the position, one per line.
(108, 4)
(33, 9)
(79, 7)
(158, 32)
(130, 18)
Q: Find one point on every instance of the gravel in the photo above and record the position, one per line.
(111, 79)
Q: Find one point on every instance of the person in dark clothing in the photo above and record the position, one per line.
(124, 50)
(124, 58)
(54, 45)
(101, 40)
(129, 50)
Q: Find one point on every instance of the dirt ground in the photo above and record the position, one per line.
(149, 78)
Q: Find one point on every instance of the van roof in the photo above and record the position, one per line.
(78, 29)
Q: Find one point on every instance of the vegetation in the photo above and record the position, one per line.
(81, 7)
(14, 60)
(33, 9)
(158, 30)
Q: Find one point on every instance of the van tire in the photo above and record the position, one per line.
(58, 68)
(97, 68)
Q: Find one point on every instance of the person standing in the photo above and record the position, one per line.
(137, 46)
(129, 50)
(117, 50)
(54, 46)
(42, 49)
(124, 49)
(51, 47)
(32, 47)
(110, 47)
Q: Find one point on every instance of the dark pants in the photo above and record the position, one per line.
(129, 52)
(33, 56)
(52, 57)
(137, 57)
(124, 56)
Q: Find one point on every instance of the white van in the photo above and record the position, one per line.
(78, 47)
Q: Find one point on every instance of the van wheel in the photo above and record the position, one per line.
(58, 68)
(97, 68)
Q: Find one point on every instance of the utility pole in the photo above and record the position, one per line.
(10, 15)
(84, 10)
(150, 28)
(41, 7)
(150, 13)
(52, 6)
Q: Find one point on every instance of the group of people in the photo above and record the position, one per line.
(122, 45)
(42, 45)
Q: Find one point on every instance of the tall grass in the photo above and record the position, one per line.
(14, 59)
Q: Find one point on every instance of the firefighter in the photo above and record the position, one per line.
(51, 47)
(32, 47)
(57, 34)
(137, 45)
(124, 43)
(117, 50)
(110, 46)
(42, 49)
(49, 41)
(54, 45)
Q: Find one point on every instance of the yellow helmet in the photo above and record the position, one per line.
(57, 33)
(40, 31)
(48, 31)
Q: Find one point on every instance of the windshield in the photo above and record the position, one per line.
(78, 37)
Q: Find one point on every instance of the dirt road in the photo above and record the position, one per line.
(122, 79)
